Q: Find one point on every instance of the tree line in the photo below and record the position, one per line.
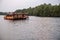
(3, 13)
(44, 10)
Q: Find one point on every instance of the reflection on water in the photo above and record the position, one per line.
(34, 28)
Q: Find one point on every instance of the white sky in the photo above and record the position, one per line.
(12, 5)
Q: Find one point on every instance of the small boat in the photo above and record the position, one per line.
(16, 16)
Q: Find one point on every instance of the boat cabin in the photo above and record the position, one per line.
(16, 16)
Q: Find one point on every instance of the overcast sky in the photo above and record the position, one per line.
(12, 5)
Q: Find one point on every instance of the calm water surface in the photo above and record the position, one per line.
(34, 28)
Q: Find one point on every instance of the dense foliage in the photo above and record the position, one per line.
(3, 13)
(44, 10)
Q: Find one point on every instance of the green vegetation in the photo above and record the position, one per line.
(3, 13)
(44, 10)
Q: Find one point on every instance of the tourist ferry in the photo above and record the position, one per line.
(16, 16)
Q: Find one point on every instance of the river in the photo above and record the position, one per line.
(34, 28)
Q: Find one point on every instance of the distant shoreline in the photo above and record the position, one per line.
(43, 10)
(37, 16)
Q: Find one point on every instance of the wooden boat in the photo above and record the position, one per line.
(16, 16)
